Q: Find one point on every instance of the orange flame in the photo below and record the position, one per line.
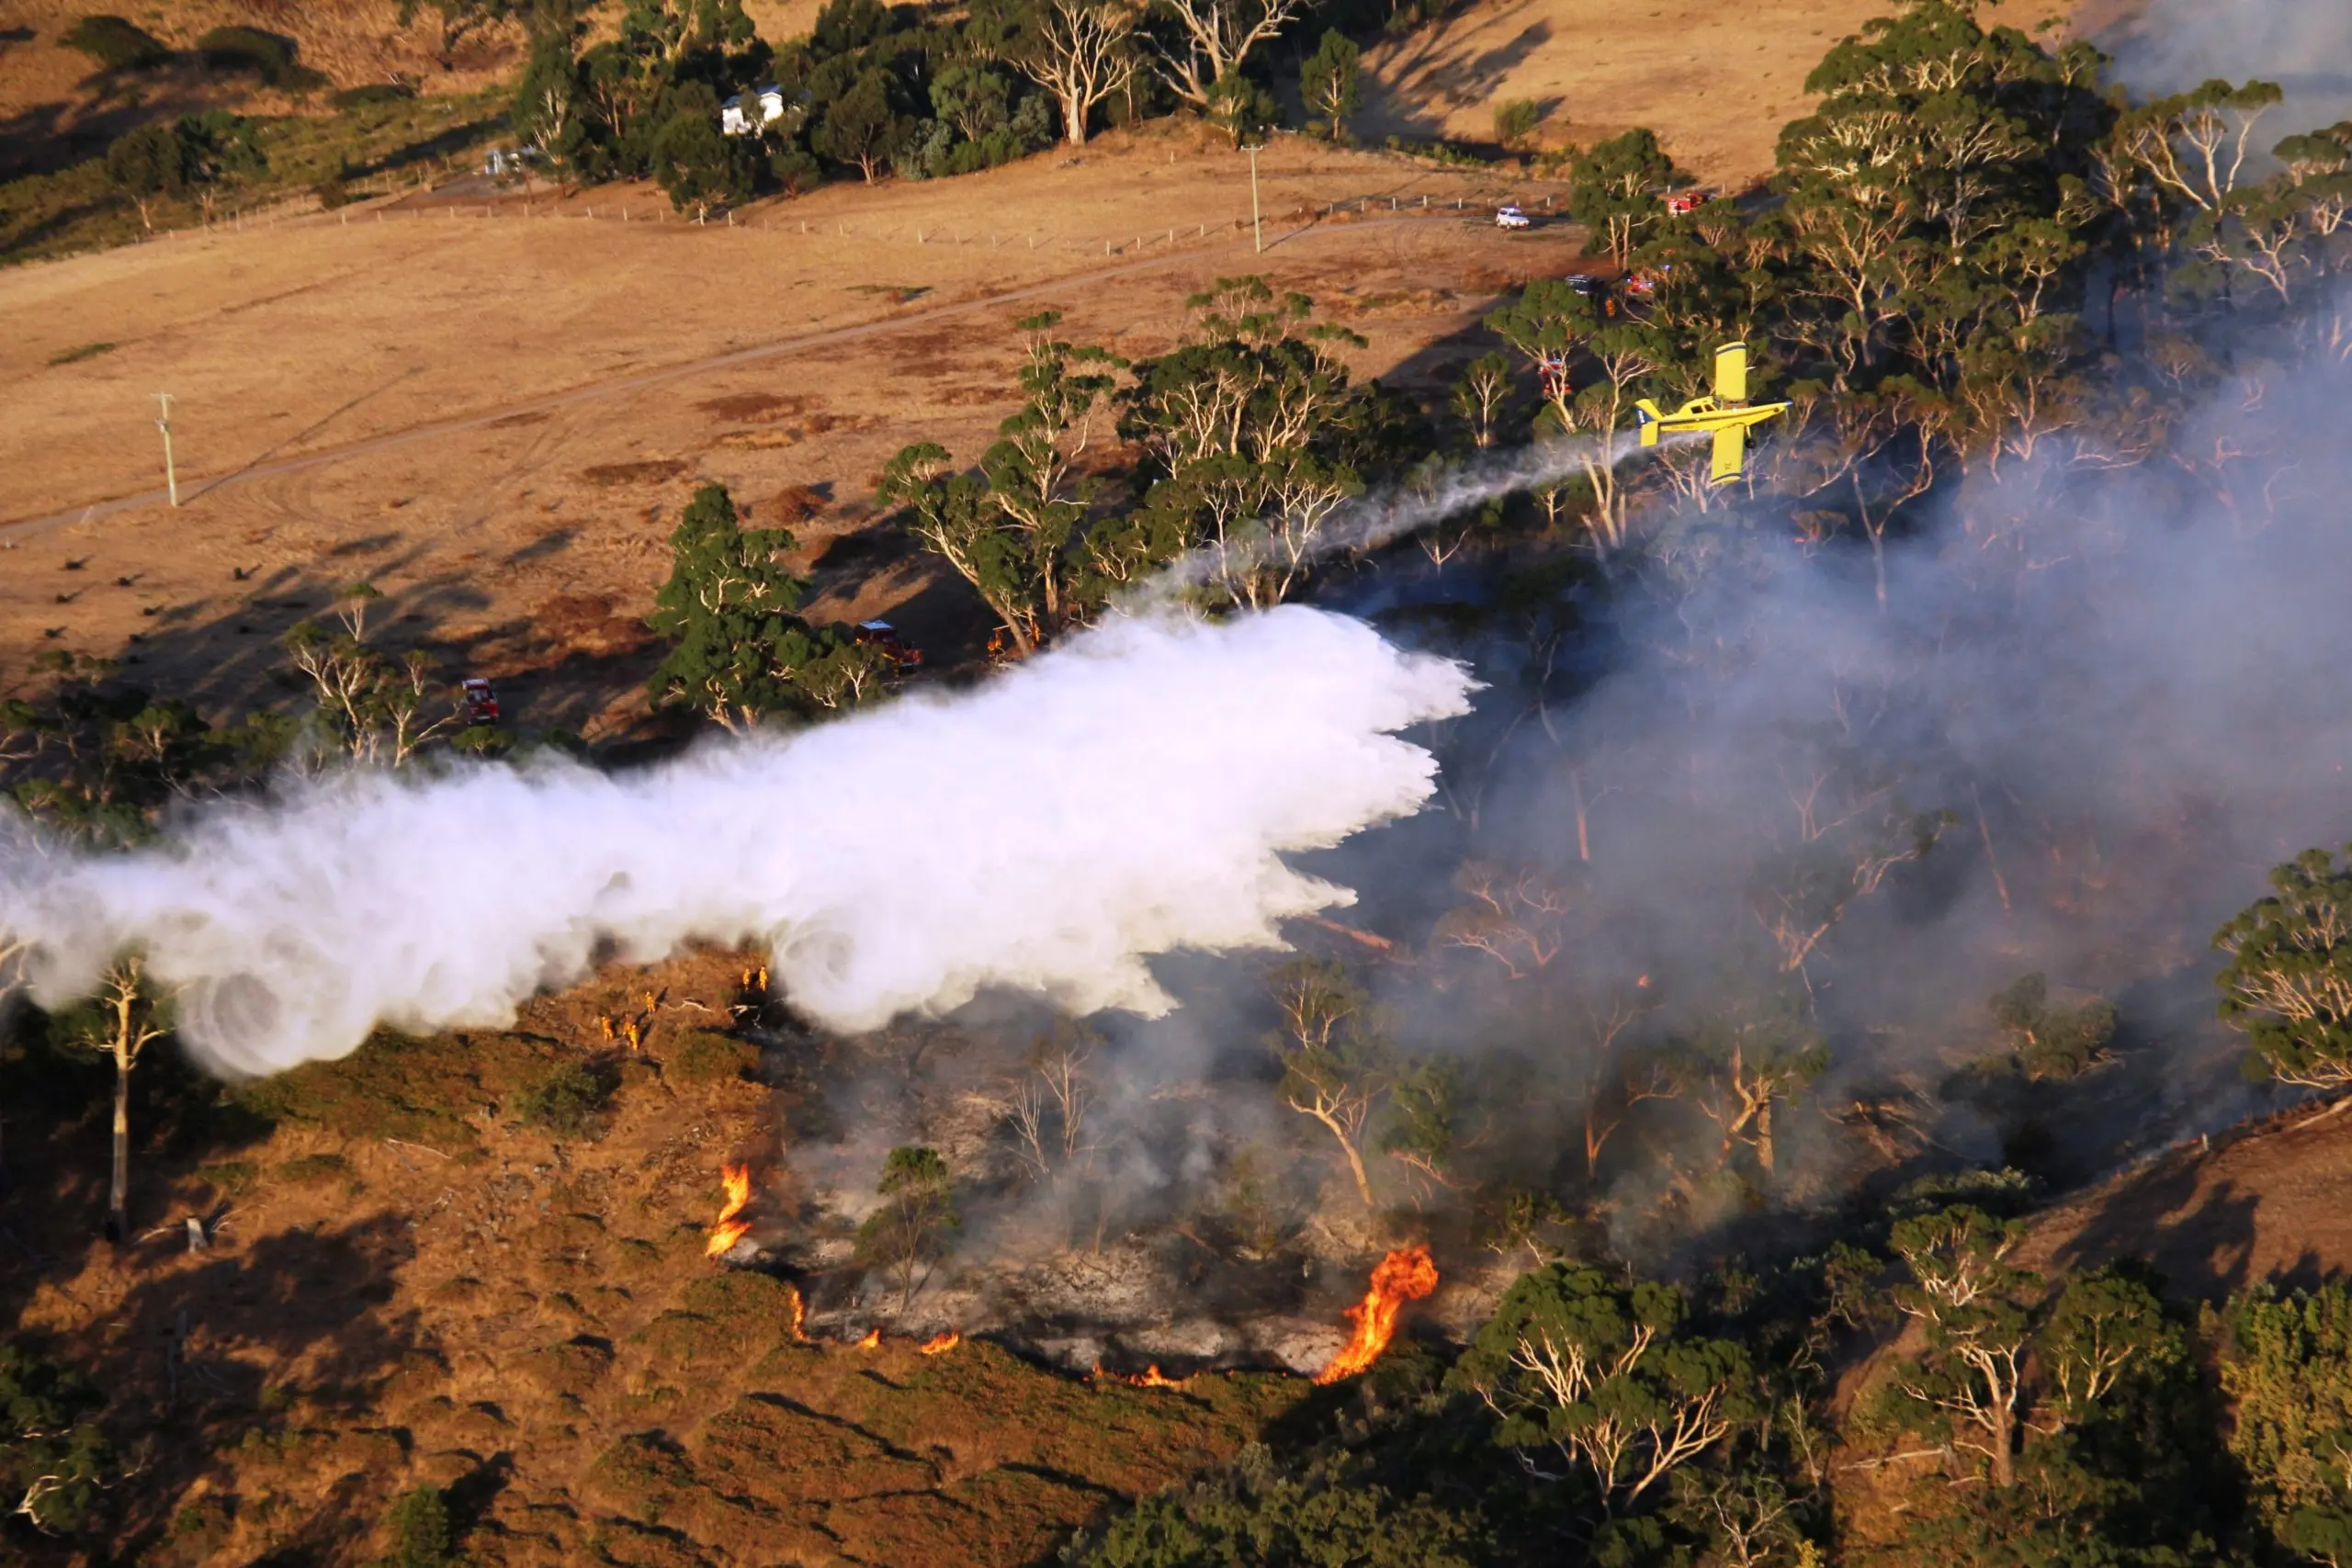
(873, 1340)
(940, 1344)
(799, 1314)
(1150, 1378)
(1405, 1275)
(731, 1226)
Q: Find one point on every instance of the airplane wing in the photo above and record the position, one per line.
(1731, 374)
(1731, 452)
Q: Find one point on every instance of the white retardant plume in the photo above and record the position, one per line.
(1371, 521)
(1128, 793)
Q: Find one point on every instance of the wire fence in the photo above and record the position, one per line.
(398, 199)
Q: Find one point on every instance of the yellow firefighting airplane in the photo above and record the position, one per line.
(1728, 413)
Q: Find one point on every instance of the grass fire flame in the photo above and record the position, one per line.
(940, 1344)
(1407, 1274)
(731, 1226)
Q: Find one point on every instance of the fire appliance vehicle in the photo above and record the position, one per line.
(480, 699)
(884, 636)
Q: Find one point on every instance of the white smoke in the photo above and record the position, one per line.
(1129, 793)
(2305, 46)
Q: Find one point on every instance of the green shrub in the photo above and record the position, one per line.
(52, 1456)
(229, 1176)
(369, 94)
(330, 193)
(115, 43)
(268, 55)
(313, 1169)
(395, 1085)
(2289, 957)
(151, 160)
(1516, 119)
(2051, 1041)
(1250, 1512)
(569, 1101)
(419, 1526)
(706, 1056)
(2287, 1368)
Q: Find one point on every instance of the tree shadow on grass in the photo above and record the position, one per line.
(273, 1342)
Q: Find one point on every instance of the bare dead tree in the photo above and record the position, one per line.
(1082, 52)
(1047, 1109)
(1217, 37)
(128, 1025)
(1616, 1084)
(1516, 917)
(1330, 1070)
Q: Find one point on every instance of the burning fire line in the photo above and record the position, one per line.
(1405, 1275)
(731, 1226)
(873, 1340)
(940, 1344)
(1150, 1377)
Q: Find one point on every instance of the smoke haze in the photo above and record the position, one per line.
(1129, 794)
(2305, 46)
(2109, 697)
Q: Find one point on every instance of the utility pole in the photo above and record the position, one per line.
(164, 423)
(1257, 224)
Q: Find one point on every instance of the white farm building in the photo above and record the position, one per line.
(735, 113)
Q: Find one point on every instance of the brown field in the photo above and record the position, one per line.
(1716, 81)
(493, 405)
(496, 417)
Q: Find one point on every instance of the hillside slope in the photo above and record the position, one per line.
(411, 1280)
(2272, 1203)
(1715, 81)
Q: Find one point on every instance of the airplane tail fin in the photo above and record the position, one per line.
(1646, 415)
(1731, 374)
(1731, 453)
